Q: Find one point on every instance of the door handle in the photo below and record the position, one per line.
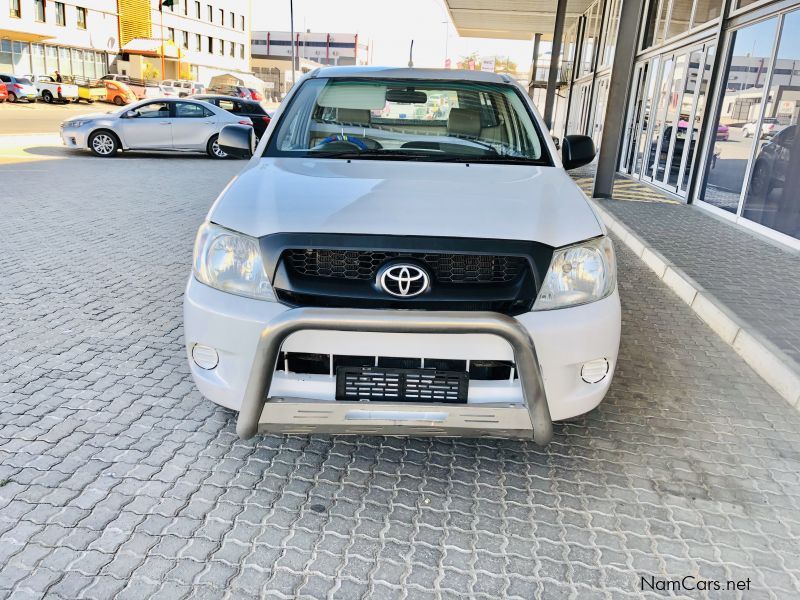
(164, 123)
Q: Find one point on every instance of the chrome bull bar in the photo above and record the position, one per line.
(395, 321)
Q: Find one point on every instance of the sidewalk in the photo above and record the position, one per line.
(746, 287)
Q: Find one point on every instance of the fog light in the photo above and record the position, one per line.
(595, 371)
(204, 357)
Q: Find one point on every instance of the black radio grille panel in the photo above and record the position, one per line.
(378, 384)
(446, 267)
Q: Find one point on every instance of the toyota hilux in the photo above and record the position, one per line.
(403, 254)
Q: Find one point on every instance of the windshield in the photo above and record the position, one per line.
(24, 81)
(408, 120)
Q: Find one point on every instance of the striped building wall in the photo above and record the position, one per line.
(134, 20)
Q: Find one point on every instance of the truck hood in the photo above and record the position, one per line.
(276, 195)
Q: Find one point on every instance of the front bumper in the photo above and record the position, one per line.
(75, 137)
(562, 341)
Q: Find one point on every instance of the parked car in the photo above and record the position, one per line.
(166, 124)
(3, 92)
(244, 108)
(723, 133)
(140, 87)
(19, 88)
(51, 90)
(437, 277)
(182, 88)
(769, 126)
(238, 91)
(119, 93)
(772, 162)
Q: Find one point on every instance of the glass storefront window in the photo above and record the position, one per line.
(772, 194)
(679, 17)
(610, 40)
(737, 123)
(64, 65)
(51, 59)
(21, 58)
(705, 11)
(77, 62)
(37, 60)
(699, 71)
(5, 55)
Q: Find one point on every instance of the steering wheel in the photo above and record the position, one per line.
(344, 138)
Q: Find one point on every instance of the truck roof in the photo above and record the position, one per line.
(410, 73)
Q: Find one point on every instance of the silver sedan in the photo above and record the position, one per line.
(161, 124)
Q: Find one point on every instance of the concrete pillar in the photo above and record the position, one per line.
(537, 38)
(621, 74)
(552, 78)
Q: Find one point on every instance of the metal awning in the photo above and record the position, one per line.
(509, 19)
(21, 36)
(152, 47)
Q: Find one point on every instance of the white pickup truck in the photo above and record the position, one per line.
(51, 90)
(404, 254)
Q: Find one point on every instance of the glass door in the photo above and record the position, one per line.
(646, 116)
(633, 123)
(660, 101)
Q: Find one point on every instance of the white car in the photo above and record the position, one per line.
(404, 254)
(769, 127)
(51, 90)
(184, 125)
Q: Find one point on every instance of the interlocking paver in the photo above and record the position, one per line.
(123, 482)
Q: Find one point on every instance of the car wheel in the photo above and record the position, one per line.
(759, 185)
(47, 96)
(12, 97)
(103, 143)
(118, 100)
(213, 149)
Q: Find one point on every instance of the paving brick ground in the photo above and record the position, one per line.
(120, 481)
(755, 278)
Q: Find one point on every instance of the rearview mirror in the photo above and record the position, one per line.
(406, 96)
(576, 151)
(237, 140)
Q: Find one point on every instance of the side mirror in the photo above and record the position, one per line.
(131, 114)
(576, 151)
(237, 140)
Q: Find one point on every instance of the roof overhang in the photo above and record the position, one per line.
(151, 47)
(22, 36)
(510, 19)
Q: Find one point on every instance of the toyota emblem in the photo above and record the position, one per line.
(403, 280)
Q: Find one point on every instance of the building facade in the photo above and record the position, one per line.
(713, 104)
(75, 37)
(200, 39)
(271, 53)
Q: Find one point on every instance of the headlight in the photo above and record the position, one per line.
(579, 274)
(230, 262)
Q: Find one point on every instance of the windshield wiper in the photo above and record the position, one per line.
(374, 153)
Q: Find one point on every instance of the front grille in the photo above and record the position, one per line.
(445, 267)
(401, 385)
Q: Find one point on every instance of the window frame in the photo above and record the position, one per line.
(39, 17)
(61, 14)
(81, 23)
(15, 9)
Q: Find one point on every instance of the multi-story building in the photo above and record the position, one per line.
(271, 53)
(75, 37)
(200, 38)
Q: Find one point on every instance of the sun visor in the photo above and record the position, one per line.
(353, 95)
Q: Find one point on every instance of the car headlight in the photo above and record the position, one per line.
(77, 123)
(230, 262)
(579, 274)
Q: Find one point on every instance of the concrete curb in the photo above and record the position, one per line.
(771, 363)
